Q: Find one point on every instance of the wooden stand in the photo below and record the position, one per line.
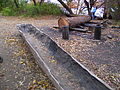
(65, 32)
(97, 33)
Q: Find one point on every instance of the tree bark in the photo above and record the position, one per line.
(105, 10)
(41, 2)
(73, 21)
(92, 3)
(34, 1)
(87, 4)
(16, 4)
(66, 7)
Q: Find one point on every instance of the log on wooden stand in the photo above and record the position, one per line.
(73, 21)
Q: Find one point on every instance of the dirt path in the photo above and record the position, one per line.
(18, 70)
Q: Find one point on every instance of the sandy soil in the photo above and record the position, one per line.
(18, 71)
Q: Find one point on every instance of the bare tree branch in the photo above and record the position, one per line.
(66, 7)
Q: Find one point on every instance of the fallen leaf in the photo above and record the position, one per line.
(53, 61)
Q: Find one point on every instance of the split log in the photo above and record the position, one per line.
(73, 21)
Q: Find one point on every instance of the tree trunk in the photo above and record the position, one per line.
(41, 2)
(66, 7)
(92, 3)
(87, 4)
(34, 1)
(78, 6)
(16, 4)
(73, 21)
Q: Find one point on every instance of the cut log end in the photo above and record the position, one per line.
(62, 22)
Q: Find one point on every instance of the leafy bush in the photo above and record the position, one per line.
(49, 9)
(7, 12)
(30, 10)
(44, 9)
(115, 9)
(6, 3)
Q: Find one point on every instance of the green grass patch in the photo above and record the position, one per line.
(8, 12)
(29, 10)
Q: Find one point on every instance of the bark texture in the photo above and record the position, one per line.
(73, 21)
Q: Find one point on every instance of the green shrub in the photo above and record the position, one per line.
(44, 9)
(30, 10)
(49, 9)
(7, 12)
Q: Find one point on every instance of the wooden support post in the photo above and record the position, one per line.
(65, 32)
(97, 32)
(1, 60)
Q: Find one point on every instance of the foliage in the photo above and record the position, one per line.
(28, 9)
(114, 7)
(44, 9)
(8, 12)
(6, 3)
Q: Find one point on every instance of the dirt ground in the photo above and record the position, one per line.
(18, 71)
(100, 57)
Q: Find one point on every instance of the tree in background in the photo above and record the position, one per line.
(88, 7)
(113, 8)
(16, 3)
(86, 3)
(66, 6)
(5, 3)
(9, 3)
(41, 1)
(34, 1)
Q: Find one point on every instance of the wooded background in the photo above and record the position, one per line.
(112, 7)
